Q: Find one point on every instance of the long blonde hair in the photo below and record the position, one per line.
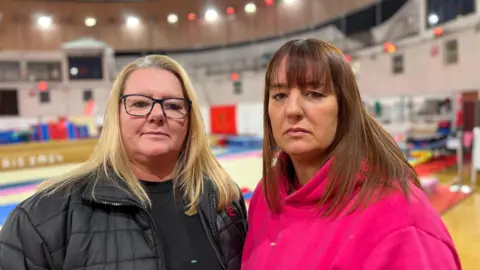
(196, 164)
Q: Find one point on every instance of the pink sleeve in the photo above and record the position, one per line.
(413, 249)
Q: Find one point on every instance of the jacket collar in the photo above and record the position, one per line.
(107, 187)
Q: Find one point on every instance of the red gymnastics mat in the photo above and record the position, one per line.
(442, 198)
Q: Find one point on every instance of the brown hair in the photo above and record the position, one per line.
(359, 139)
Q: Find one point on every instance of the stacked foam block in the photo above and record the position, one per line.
(60, 130)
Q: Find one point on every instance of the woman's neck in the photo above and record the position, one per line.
(305, 170)
(153, 171)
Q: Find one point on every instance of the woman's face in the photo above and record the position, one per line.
(156, 133)
(303, 121)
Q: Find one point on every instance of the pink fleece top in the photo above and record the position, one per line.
(393, 233)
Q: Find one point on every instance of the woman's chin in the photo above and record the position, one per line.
(302, 151)
(153, 151)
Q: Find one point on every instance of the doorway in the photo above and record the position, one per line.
(8, 102)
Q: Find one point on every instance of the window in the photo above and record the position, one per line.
(10, 71)
(448, 10)
(9, 102)
(237, 88)
(397, 64)
(264, 59)
(44, 96)
(451, 52)
(87, 94)
(44, 71)
(85, 67)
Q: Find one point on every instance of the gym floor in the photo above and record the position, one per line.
(463, 220)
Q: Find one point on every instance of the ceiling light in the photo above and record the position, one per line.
(74, 71)
(230, 10)
(268, 2)
(288, 1)
(191, 16)
(433, 19)
(250, 8)
(44, 21)
(132, 22)
(90, 22)
(172, 18)
(211, 15)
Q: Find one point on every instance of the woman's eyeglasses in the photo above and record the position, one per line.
(140, 105)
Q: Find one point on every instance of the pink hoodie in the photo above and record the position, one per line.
(392, 234)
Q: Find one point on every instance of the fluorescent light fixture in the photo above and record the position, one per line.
(172, 18)
(90, 22)
(211, 15)
(132, 21)
(45, 21)
(250, 8)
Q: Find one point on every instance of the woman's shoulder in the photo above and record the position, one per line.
(397, 211)
(412, 205)
(49, 204)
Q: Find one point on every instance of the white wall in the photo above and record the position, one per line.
(423, 73)
(219, 90)
(64, 101)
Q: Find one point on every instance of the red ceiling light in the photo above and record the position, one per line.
(191, 16)
(438, 31)
(389, 47)
(230, 10)
(234, 76)
(268, 2)
(42, 86)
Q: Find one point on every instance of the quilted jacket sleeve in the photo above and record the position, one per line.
(21, 246)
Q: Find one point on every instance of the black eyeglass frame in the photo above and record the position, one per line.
(155, 101)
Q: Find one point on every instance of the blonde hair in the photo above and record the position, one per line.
(196, 164)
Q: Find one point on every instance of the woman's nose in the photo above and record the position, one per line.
(157, 112)
(293, 105)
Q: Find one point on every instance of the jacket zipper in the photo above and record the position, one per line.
(155, 228)
(157, 244)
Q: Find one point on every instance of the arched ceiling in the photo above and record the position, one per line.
(19, 29)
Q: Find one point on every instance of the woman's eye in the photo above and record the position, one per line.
(140, 104)
(279, 96)
(172, 106)
(313, 94)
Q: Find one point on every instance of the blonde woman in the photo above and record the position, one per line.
(151, 196)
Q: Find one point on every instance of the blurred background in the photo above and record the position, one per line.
(416, 63)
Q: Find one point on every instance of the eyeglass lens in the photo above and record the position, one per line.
(139, 105)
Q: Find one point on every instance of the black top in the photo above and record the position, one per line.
(184, 240)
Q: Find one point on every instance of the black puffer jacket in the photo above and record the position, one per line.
(107, 231)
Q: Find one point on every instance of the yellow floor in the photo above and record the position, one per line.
(463, 221)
